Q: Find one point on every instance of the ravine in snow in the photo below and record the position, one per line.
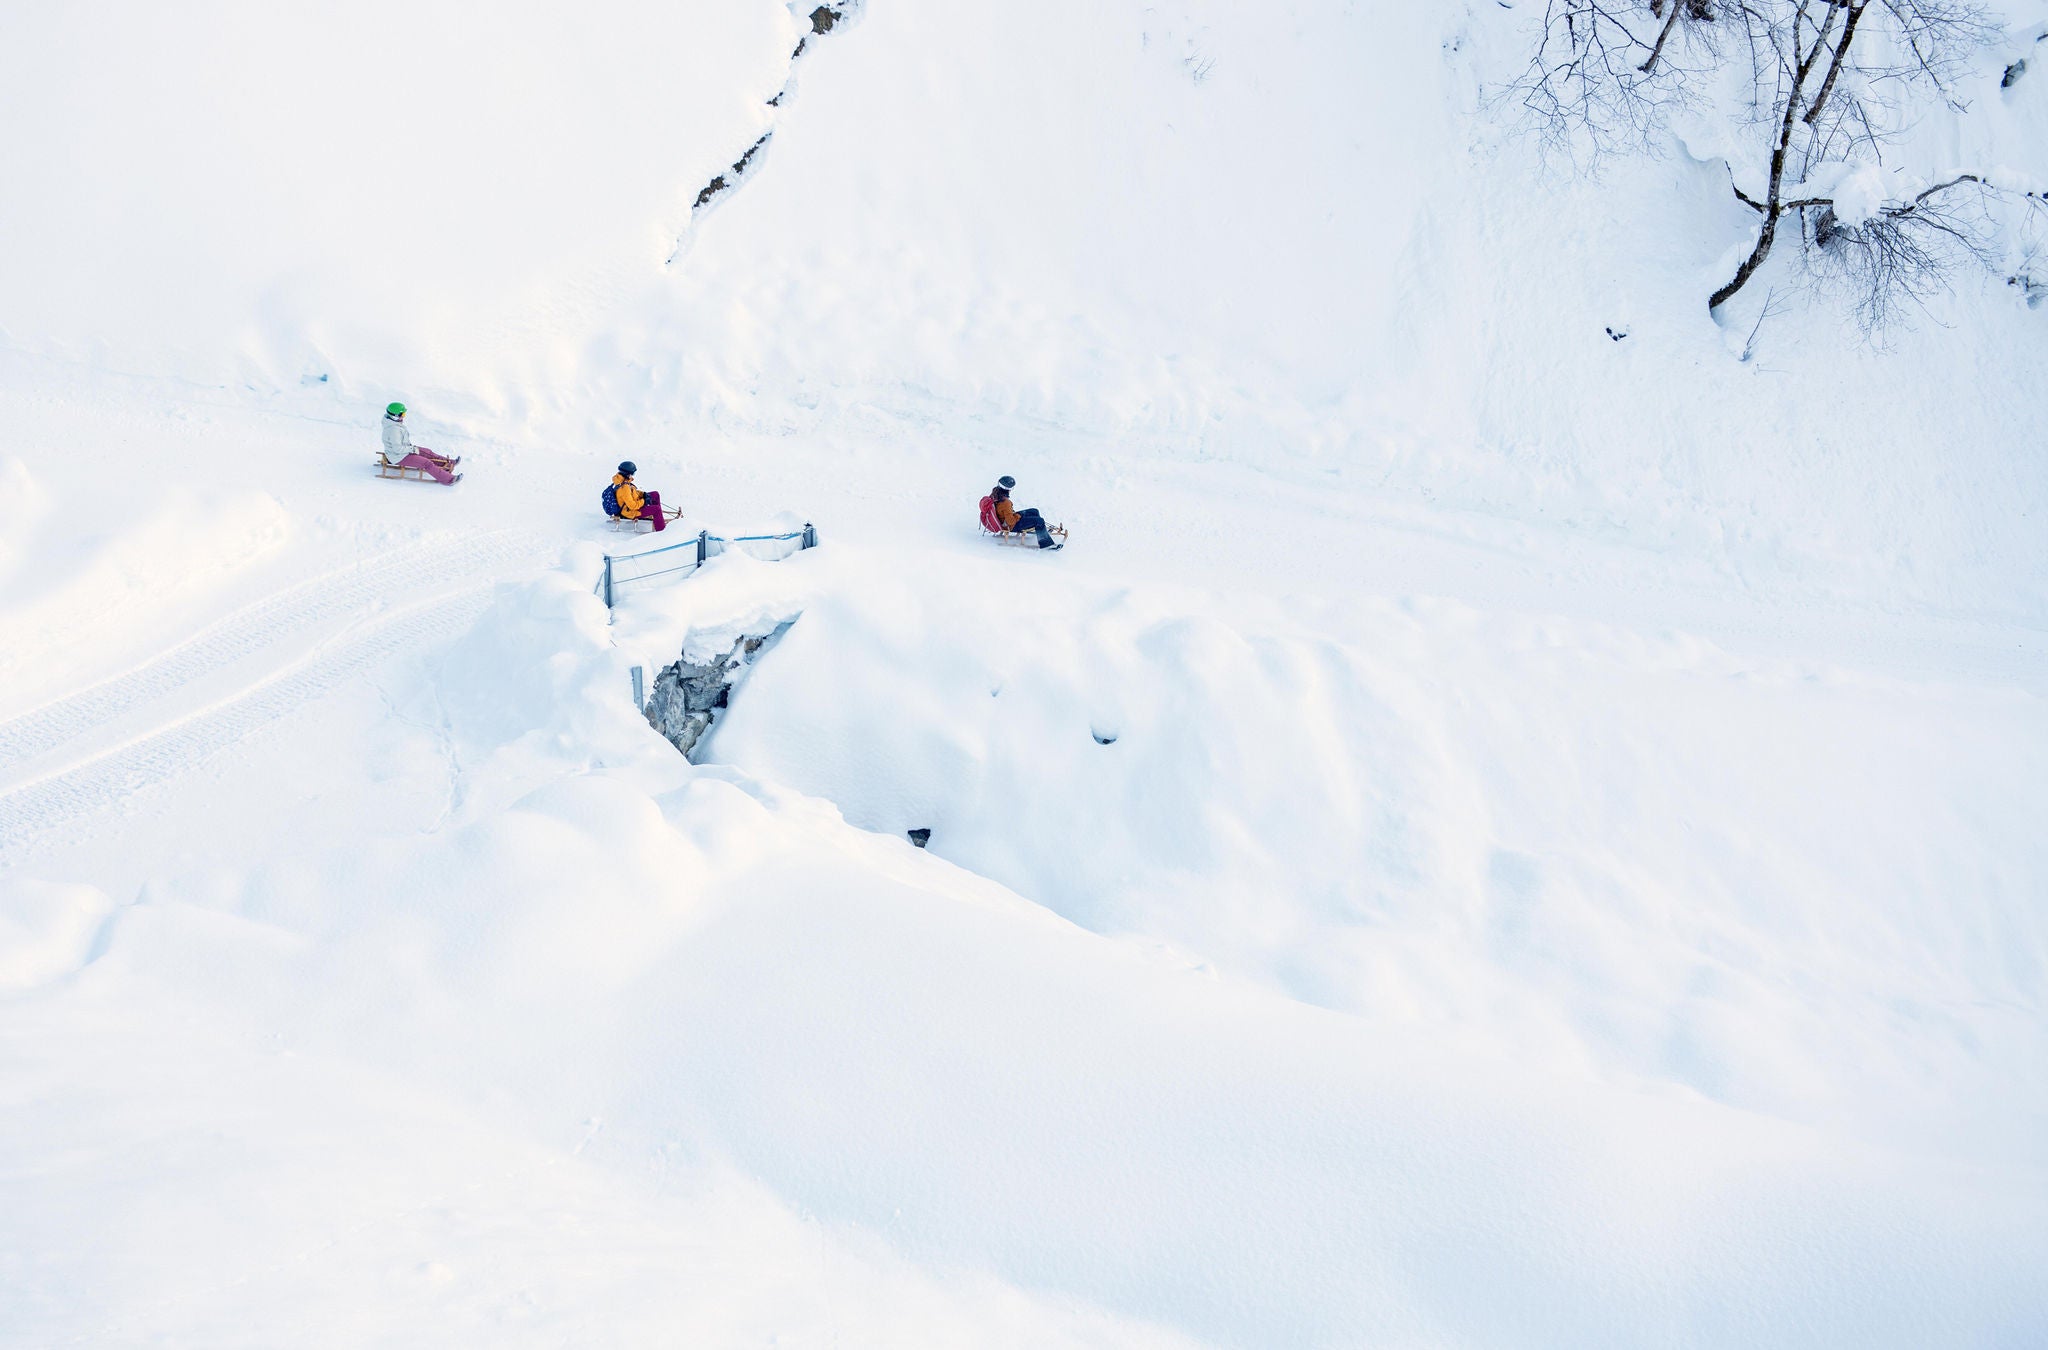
(689, 694)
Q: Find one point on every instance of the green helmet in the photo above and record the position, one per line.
(395, 410)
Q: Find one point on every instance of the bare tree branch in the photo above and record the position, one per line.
(1825, 79)
(1663, 36)
(1827, 87)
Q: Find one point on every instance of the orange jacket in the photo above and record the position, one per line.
(631, 499)
(1006, 512)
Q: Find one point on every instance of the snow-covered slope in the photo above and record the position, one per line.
(1492, 835)
(1294, 237)
(449, 194)
(1420, 812)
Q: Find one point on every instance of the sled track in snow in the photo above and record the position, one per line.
(161, 754)
(48, 802)
(308, 605)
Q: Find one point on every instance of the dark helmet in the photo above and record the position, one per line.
(1006, 482)
(629, 468)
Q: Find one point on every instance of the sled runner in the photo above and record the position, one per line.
(1023, 538)
(623, 523)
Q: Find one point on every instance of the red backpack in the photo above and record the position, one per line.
(988, 515)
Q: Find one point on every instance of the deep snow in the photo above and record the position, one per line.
(1492, 835)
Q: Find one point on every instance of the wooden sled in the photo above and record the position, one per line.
(1023, 538)
(622, 523)
(991, 528)
(386, 469)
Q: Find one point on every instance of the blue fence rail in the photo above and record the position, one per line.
(705, 547)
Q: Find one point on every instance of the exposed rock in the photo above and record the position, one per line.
(920, 837)
(824, 19)
(739, 168)
(689, 694)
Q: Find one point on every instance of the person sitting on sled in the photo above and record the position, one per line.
(401, 453)
(634, 504)
(1014, 521)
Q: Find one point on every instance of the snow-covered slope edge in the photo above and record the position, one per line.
(673, 973)
(1788, 886)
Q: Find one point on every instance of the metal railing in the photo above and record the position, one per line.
(706, 546)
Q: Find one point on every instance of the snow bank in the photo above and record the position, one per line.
(204, 1178)
(632, 968)
(46, 931)
(22, 503)
(123, 561)
(1549, 832)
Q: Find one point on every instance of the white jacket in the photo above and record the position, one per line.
(397, 440)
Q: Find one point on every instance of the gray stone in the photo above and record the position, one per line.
(689, 694)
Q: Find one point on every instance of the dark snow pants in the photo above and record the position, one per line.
(1031, 520)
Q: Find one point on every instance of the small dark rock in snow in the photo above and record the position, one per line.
(2013, 73)
(1616, 336)
(823, 17)
(1104, 737)
(920, 837)
(740, 165)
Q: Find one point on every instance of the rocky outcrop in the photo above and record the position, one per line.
(688, 695)
(823, 20)
(719, 184)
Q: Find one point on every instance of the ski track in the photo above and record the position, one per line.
(308, 605)
(30, 810)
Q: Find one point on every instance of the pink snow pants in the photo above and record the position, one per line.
(419, 459)
(651, 510)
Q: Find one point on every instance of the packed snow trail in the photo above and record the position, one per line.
(272, 657)
(346, 593)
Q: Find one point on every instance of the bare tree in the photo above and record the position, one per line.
(1600, 76)
(1824, 84)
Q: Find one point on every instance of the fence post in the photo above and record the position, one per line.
(607, 583)
(810, 535)
(640, 688)
(703, 538)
